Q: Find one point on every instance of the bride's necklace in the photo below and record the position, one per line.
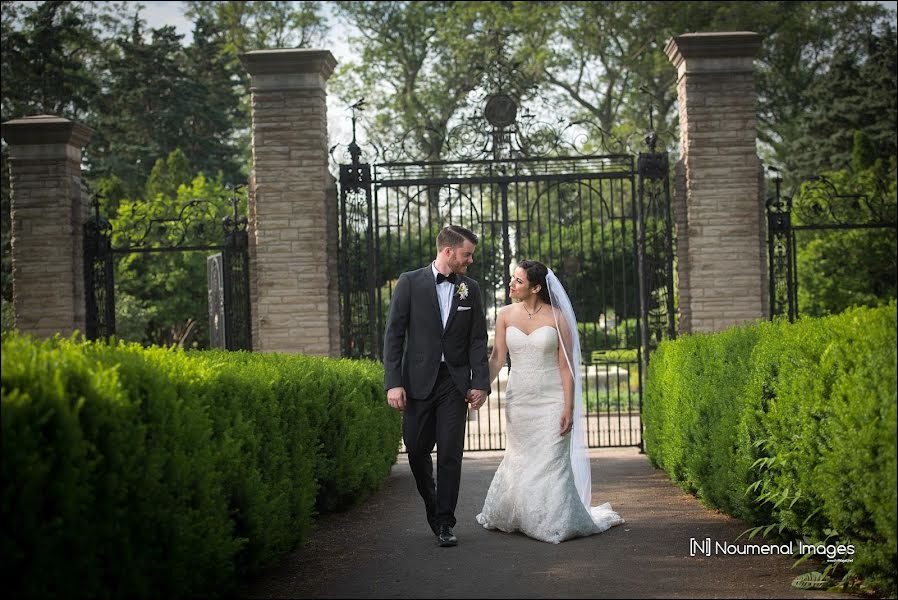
(530, 314)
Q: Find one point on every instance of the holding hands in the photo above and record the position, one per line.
(476, 398)
(396, 398)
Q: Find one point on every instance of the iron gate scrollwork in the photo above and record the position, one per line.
(195, 228)
(817, 205)
(238, 332)
(656, 249)
(601, 221)
(98, 276)
(356, 257)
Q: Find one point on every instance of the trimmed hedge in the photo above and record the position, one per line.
(158, 473)
(787, 424)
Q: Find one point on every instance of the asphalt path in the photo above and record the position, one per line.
(383, 548)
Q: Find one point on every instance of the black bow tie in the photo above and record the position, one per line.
(451, 278)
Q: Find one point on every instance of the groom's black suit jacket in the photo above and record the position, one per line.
(415, 323)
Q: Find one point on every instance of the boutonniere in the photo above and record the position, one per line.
(462, 291)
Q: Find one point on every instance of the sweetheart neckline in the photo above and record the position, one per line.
(532, 332)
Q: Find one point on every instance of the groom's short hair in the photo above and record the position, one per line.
(453, 236)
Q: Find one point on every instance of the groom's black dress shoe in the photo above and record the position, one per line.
(445, 537)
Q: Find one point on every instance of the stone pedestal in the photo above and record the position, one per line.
(719, 195)
(293, 223)
(49, 209)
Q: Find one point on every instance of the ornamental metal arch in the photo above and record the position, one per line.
(195, 226)
(601, 221)
(818, 204)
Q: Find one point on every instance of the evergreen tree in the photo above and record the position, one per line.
(857, 96)
(218, 118)
(146, 108)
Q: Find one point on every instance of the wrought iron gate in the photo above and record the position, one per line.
(601, 222)
(819, 205)
(196, 227)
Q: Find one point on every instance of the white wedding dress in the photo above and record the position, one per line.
(533, 490)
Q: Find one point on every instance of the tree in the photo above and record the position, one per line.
(245, 26)
(859, 95)
(841, 269)
(142, 93)
(606, 62)
(161, 296)
(159, 96)
(146, 108)
(419, 61)
(607, 57)
(47, 54)
(217, 119)
(804, 37)
(600, 63)
(225, 30)
(838, 269)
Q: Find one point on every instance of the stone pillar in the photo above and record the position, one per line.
(49, 208)
(721, 228)
(293, 225)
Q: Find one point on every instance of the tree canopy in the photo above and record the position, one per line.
(148, 96)
(826, 71)
(600, 63)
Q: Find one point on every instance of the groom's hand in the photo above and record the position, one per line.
(396, 397)
(476, 398)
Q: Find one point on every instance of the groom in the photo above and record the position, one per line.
(437, 315)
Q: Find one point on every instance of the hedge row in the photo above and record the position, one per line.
(787, 424)
(158, 473)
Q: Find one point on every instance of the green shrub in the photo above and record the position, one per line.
(791, 425)
(150, 472)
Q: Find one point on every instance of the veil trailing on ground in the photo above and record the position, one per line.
(570, 341)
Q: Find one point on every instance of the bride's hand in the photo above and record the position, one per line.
(567, 422)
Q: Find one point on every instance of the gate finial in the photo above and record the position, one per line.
(354, 151)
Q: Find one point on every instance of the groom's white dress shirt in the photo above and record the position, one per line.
(444, 295)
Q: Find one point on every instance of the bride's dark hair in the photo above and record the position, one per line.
(536, 275)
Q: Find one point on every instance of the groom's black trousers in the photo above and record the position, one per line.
(437, 420)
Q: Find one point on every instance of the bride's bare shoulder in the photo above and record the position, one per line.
(507, 315)
(506, 310)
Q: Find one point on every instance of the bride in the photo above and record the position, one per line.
(543, 486)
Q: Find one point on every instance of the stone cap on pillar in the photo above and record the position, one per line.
(289, 68)
(45, 129)
(726, 51)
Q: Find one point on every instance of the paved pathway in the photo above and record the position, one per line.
(384, 548)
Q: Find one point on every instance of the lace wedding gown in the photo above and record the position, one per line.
(533, 490)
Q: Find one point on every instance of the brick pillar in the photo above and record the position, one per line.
(719, 195)
(293, 227)
(48, 214)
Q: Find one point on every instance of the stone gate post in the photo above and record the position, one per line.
(292, 222)
(48, 208)
(719, 189)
